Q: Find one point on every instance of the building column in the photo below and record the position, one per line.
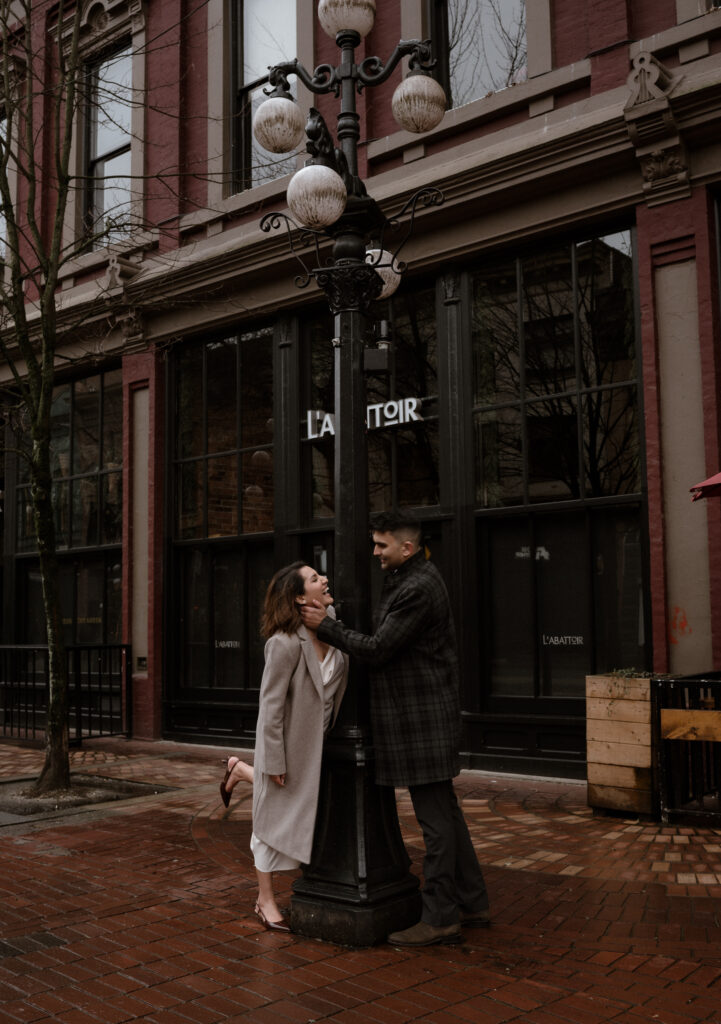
(679, 304)
(143, 429)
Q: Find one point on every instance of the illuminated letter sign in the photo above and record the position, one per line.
(382, 414)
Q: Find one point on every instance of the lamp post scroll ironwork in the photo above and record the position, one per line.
(357, 887)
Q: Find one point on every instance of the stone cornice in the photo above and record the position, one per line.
(590, 149)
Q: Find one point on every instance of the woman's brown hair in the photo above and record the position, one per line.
(280, 610)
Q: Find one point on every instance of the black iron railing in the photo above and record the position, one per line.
(686, 714)
(99, 690)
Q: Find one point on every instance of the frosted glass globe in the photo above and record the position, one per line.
(382, 262)
(316, 196)
(278, 125)
(355, 15)
(419, 103)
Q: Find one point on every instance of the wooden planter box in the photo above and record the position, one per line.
(618, 744)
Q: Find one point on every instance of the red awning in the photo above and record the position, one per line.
(710, 488)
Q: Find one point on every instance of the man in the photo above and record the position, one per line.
(415, 716)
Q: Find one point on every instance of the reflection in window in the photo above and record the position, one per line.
(108, 147)
(318, 386)
(221, 593)
(224, 437)
(403, 459)
(90, 600)
(556, 419)
(554, 376)
(481, 46)
(264, 35)
(86, 423)
(564, 599)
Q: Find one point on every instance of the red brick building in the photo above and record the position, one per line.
(558, 325)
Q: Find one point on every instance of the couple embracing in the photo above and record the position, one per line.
(415, 719)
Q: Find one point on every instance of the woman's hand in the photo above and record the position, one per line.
(279, 780)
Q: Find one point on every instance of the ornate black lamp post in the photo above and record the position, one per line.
(358, 887)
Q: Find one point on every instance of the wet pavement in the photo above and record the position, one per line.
(141, 910)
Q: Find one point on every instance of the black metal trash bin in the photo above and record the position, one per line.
(686, 714)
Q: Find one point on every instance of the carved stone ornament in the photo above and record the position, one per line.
(118, 270)
(663, 164)
(104, 20)
(351, 287)
(654, 133)
(649, 80)
(451, 283)
(131, 326)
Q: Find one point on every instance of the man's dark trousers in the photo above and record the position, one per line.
(453, 880)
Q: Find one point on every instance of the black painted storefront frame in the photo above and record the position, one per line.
(545, 735)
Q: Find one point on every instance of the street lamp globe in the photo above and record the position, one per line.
(419, 103)
(278, 124)
(347, 16)
(316, 196)
(382, 262)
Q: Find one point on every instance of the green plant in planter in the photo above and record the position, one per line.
(629, 673)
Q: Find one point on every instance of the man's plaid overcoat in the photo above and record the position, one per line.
(415, 708)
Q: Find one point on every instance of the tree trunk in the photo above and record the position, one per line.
(56, 770)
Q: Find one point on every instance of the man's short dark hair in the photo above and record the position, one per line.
(398, 521)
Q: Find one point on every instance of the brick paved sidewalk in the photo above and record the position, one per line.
(141, 911)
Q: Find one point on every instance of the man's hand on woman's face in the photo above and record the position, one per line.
(313, 614)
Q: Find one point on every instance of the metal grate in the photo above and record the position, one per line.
(687, 724)
(99, 690)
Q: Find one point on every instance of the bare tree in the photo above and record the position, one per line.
(486, 47)
(44, 90)
(37, 111)
(54, 81)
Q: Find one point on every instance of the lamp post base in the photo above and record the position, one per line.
(349, 925)
(358, 887)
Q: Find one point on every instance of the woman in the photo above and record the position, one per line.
(300, 693)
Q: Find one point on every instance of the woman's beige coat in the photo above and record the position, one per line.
(289, 740)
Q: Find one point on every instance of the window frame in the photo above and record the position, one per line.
(436, 16)
(107, 25)
(91, 210)
(587, 509)
(240, 142)
(203, 459)
(574, 389)
(101, 473)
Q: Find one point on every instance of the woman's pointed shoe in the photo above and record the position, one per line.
(271, 926)
(225, 794)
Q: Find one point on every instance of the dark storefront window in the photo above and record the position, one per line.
(224, 446)
(403, 458)
(223, 500)
(555, 389)
(402, 435)
(566, 594)
(221, 592)
(318, 386)
(91, 600)
(557, 438)
(86, 463)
